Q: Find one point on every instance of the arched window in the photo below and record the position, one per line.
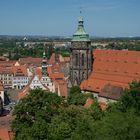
(83, 60)
(76, 59)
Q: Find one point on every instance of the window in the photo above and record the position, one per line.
(82, 59)
(76, 59)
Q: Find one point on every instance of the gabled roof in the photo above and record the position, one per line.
(27, 88)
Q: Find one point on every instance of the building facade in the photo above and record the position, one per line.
(1, 94)
(81, 55)
(20, 77)
(6, 76)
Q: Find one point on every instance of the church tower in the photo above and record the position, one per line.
(44, 65)
(81, 55)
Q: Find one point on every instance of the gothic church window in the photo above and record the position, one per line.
(82, 59)
(76, 59)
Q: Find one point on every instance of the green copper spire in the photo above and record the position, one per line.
(81, 34)
(44, 65)
(44, 55)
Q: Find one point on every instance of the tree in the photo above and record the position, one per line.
(33, 113)
(118, 125)
(76, 97)
(131, 98)
(72, 123)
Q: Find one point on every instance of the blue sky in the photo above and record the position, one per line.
(108, 18)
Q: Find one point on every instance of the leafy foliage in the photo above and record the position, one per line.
(37, 107)
(118, 125)
(78, 98)
(45, 116)
(71, 123)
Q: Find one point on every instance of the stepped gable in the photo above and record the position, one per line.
(117, 67)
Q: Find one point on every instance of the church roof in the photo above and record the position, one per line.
(80, 34)
(113, 66)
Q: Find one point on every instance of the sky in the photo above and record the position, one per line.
(102, 18)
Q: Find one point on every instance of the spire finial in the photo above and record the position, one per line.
(80, 10)
(81, 17)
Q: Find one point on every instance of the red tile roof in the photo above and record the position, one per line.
(103, 106)
(38, 72)
(31, 61)
(56, 76)
(52, 59)
(20, 70)
(7, 63)
(54, 72)
(4, 134)
(6, 70)
(88, 103)
(113, 66)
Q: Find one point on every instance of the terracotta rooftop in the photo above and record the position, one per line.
(5, 70)
(31, 61)
(20, 70)
(88, 103)
(38, 72)
(113, 66)
(54, 72)
(4, 134)
(103, 106)
(56, 76)
(7, 63)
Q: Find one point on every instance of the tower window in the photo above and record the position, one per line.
(76, 59)
(82, 59)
